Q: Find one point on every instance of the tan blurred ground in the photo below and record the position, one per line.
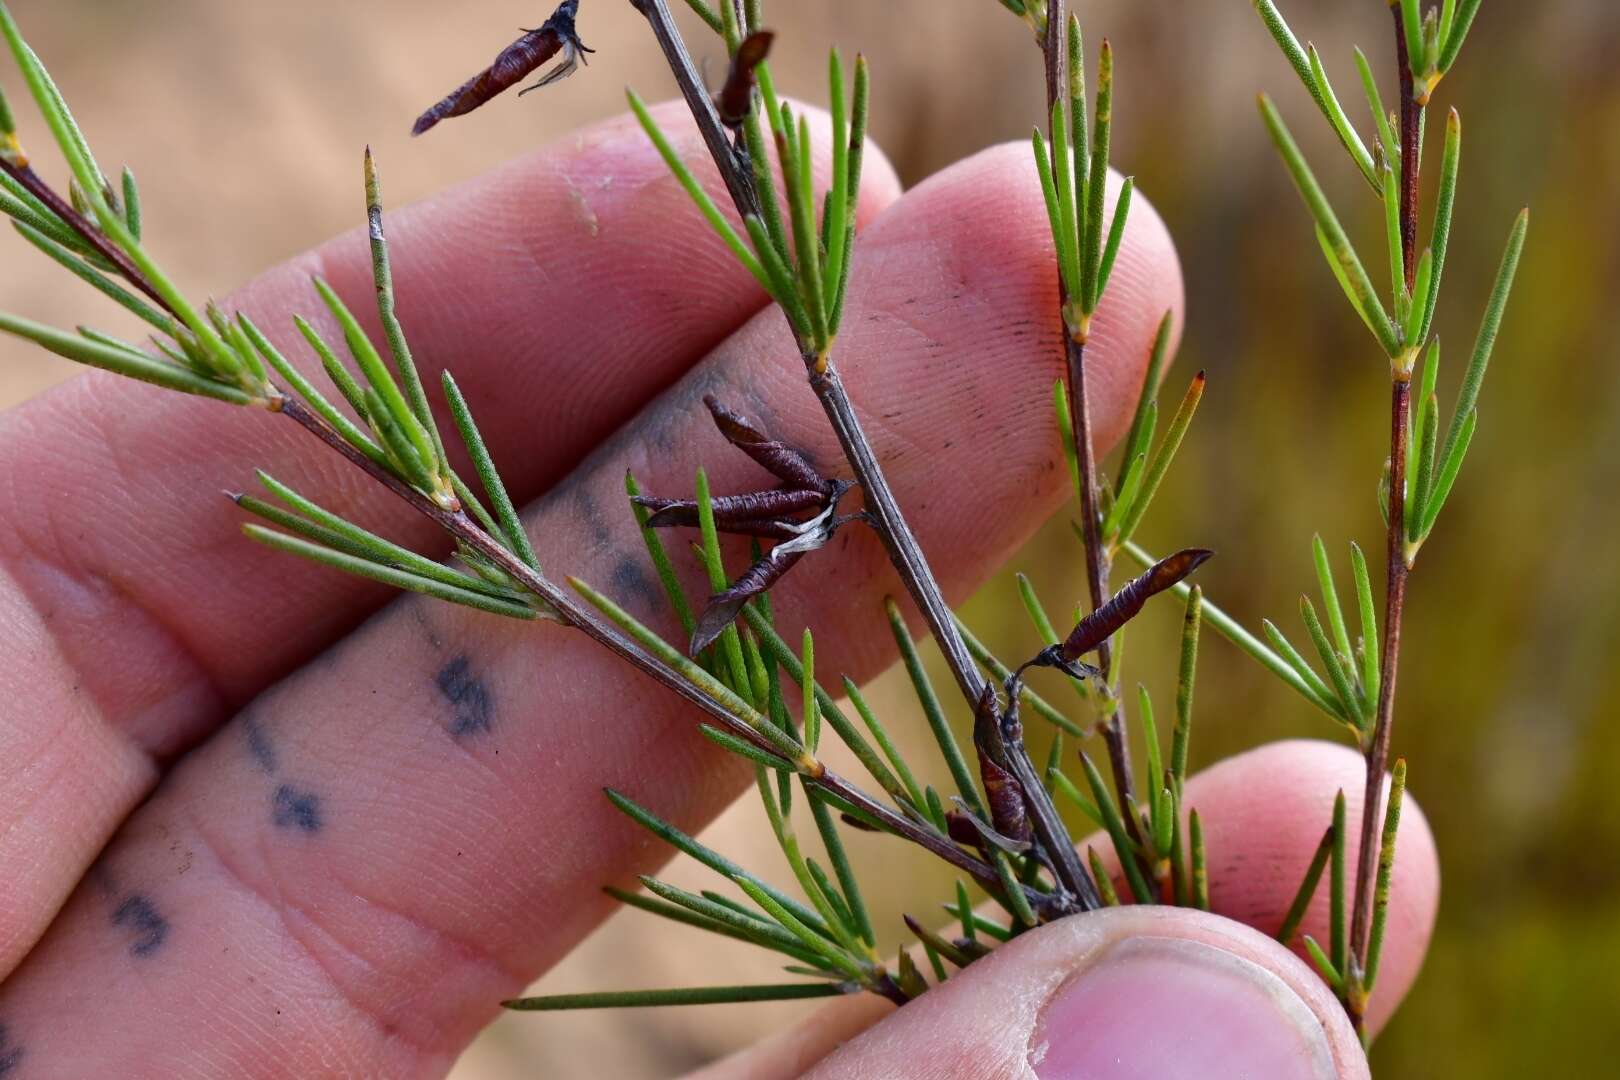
(245, 122)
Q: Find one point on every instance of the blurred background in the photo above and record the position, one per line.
(245, 122)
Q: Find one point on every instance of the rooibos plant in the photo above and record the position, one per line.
(999, 826)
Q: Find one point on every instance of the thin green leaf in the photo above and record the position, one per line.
(675, 913)
(1412, 27)
(696, 995)
(836, 217)
(705, 204)
(743, 748)
(1116, 234)
(1062, 785)
(1392, 238)
(388, 575)
(1289, 44)
(1338, 940)
(505, 513)
(799, 928)
(1444, 203)
(1468, 396)
(1343, 252)
(730, 643)
(1068, 237)
(1448, 475)
(383, 278)
(1386, 870)
(937, 722)
(69, 138)
(1068, 264)
(124, 362)
(1386, 134)
(1324, 966)
(1115, 825)
(881, 734)
(87, 273)
(1140, 437)
(1307, 889)
(1337, 674)
(1200, 862)
(694, 673)
(847, 878)
(1453, 41)
(1187, 676)
(1370, 658)
(1330, 597)
(1320, 693)
(1348, 137)
(1424, 481)
(1164, 456)
(660, 559)
(857, 148)
(1091, 280)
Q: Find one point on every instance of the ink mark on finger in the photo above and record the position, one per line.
(11, 1054)
(472, 705)
(258, 741)
(293, 808)
(148, 928)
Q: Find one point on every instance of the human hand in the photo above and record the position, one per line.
(370, 821)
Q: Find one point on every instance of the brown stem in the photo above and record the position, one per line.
(572, 612)
(1097, 563)
(1097, 574)
(1397, 570)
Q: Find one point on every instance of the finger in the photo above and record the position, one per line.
(1263, 813)
(134, 615)
(1121, 994)
(405, 833)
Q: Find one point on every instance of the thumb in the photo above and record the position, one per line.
(1120, 994)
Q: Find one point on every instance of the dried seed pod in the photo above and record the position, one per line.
(757, 506)
(781, 460)
(724, 607)
(736, 97)
(514, 64)
(1123, 606)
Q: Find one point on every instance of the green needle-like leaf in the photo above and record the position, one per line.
(1067, 238)
(1062, 785)
(1277, 26)
(1140, 437)
(1370, 658)
(783, 742)
(1424, 481)
(517, 538)
(743, 748)
(84, 271)
(1453, 41)
(1320, 692)
(937, 722)
(1337, 674)
(660, 560)
(1412, 27)
(1116, 234)
(1386, 870)
(1386, 134)
(1343, 254)
(811, 713)
(1448, 475)
(799, 928)
(836, 218)
(1468, 397)
(1150, 738)
(1392, 238)
(389, 575)
(1187, 676)
(1338, 939)
(1324, 966)
(124, 362)
(1200, 861)
(69, 138)
(1164, 456)
(1346, 131)
(1104, 880)
(1330, 597)
(1444, 203)
(696, 995)
(881, 734)
(1115, 825)
(705, 204)
(1091, 281)
(1307, 889)
(848, 880)
(1417, 313)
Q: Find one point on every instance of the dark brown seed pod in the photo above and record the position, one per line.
(1123, 606)
(732, 509)
(724, 607)
(779, 459)
(514, 64)
(736, 97)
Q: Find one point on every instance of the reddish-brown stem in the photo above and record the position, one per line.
(1397, 570)
(1056, 51)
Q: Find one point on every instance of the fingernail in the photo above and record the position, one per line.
(1157, 1007)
